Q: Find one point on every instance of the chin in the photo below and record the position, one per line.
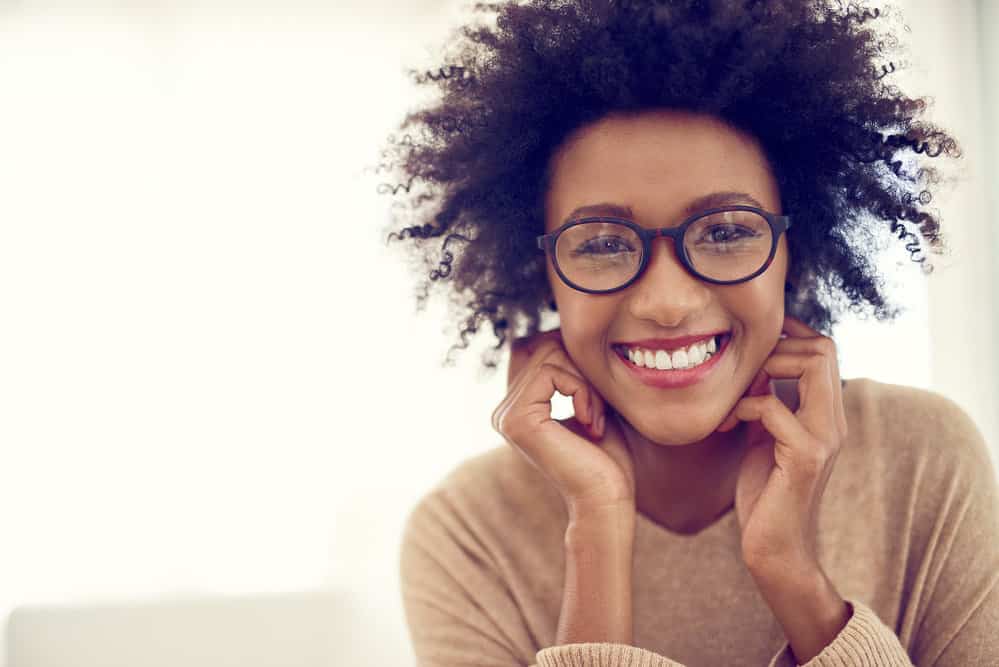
(660, 434)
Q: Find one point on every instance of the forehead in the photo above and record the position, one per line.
(656, 162)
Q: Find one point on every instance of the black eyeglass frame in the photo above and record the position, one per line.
(778, 224)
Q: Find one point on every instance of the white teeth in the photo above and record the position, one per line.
(662, 360)
(697, 353)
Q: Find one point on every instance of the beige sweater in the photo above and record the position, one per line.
(908, 534)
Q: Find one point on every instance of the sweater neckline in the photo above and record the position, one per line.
(726, 523)
(721, 523)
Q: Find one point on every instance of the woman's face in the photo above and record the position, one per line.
(658, 163)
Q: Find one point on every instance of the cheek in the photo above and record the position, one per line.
(757, 309)
(554, 284)
(586, 321)
(580, 320)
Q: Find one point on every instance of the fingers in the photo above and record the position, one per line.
(543, 353)
(521, 350)
(805, 338)
(816, 406)
(539, 354)
(578, 389)
(824, 348)
(546, 352)
(528, 356)
(532, 404)
(790, 435)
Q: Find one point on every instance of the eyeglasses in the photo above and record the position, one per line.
(724, 246)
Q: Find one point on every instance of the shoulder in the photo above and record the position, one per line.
(491, 498)
(496, 477)
(919, 444)
(902, 415)
(922, 422)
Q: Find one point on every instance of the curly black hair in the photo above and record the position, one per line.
(802, 76)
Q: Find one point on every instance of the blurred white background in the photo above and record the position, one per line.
(212, 377)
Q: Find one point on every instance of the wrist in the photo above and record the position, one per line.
(605, 530)
(597, 595)
(594, 511)
(808, 607)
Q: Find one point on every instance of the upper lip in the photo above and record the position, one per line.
(670, 343)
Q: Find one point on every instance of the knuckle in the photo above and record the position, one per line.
(814, 460)
(501, 419)
(818, 361)
(550, 368)
(550, 352)
(510, 430)
(827, 345)
(503, 426)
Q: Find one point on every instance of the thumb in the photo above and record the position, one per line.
(756, 433)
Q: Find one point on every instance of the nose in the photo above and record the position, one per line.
(666, 292)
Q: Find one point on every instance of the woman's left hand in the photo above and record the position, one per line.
(791, 455)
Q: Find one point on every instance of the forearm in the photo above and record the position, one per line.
(597, 598)
(808, 607)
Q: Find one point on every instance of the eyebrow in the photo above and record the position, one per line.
(710, 200)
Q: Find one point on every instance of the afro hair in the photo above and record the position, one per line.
(807, 78)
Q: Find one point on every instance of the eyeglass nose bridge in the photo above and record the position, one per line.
(675, 233)
(650, 235)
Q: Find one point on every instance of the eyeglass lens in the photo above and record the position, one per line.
(603, 255)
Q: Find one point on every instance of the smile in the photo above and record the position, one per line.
(670, 378)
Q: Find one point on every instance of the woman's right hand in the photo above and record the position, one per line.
(586, 456)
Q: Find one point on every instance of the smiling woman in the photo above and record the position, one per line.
(635, 159)
(690, 219)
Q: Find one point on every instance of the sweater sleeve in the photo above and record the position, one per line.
(460, 612)
(863, 641)
(958, 583)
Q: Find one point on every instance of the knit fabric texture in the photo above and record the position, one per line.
(908, 533)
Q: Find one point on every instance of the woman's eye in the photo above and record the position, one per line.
(726, 233)
(604, 246)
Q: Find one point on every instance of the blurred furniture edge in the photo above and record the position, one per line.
(314, 628)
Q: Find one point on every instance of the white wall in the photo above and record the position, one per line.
(962, 292)
(945, 342)
(211, 377)
(988, 82)
(203, 386)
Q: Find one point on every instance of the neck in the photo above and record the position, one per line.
(685, 487)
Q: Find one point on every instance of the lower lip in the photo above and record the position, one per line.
(675, 379)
